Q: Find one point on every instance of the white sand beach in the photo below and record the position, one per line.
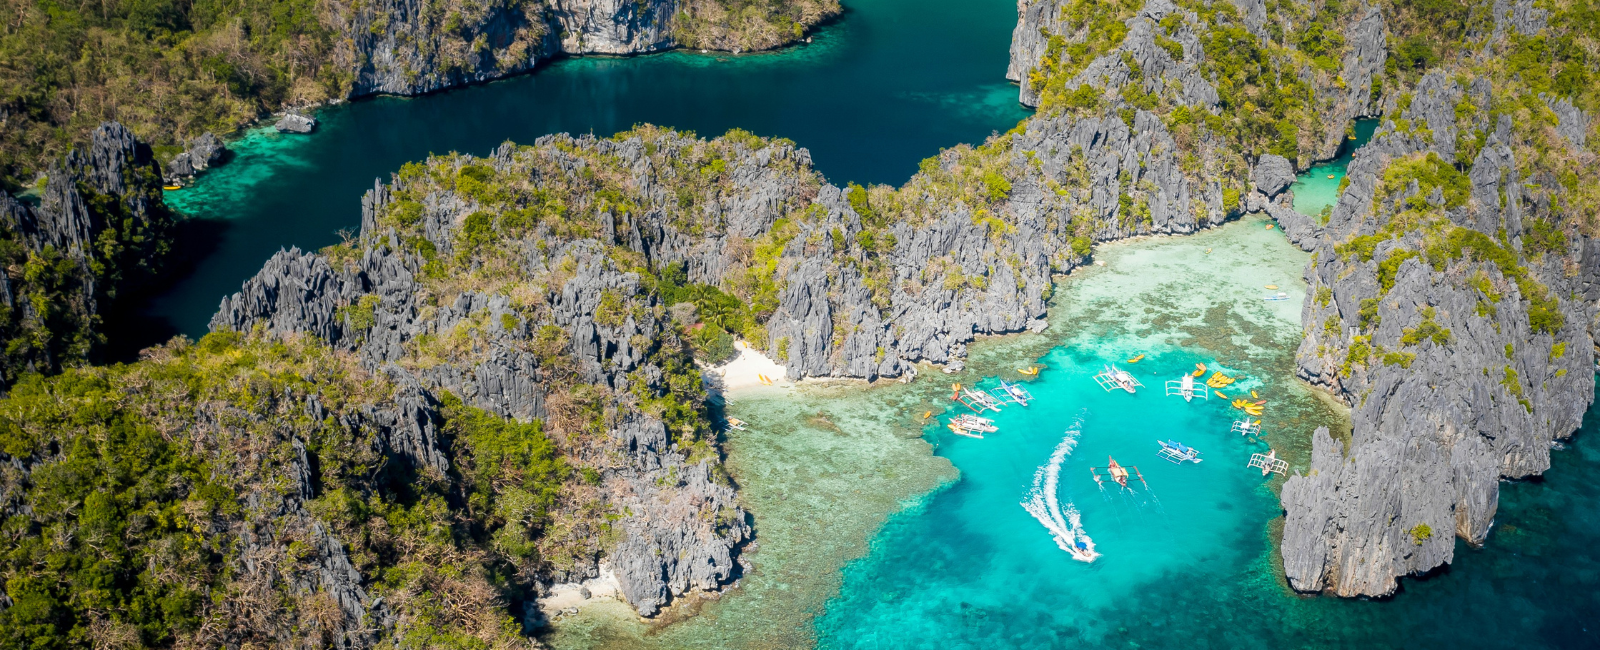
(747, 369)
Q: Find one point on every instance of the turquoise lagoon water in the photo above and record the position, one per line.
(886, 85)
(878, 530)
(1318, 188)
(1190, 561)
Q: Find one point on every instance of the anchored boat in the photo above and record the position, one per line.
(1177, 452)
(1269, 463)
(1113, 378)
(1009, 393)
(956, 429)
(1184, 387)
(974, 423)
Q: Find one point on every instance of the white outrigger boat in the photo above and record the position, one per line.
(979, 401)
(736, 423)
(1009, 393)
(974, 423)
(1114, 378)
(1177, 452)
(1184, 387)
(1274, 297)
(1269, 463)
(1247, 427)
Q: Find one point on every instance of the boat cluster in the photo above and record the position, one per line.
(979, 401)
(1112, 378)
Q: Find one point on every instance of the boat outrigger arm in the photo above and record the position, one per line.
(1187, 389)
(1269, 463)
(977, 401)
(1177, 452)
(1009, 393)
(1117, 474)
(1114, 378)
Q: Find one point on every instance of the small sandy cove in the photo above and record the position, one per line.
(746, 370)
(567, 597)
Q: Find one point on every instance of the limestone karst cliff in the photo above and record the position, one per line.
(1452, 307)
(99, 229)
(1452, 301)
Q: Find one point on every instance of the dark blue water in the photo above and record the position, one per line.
(885, 86)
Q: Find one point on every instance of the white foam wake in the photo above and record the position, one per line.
(1062, 522)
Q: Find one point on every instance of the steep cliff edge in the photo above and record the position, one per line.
(99, 229)
(1452, 305)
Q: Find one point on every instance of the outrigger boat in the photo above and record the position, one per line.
(1184, 387)
(736, 423)
(1177, 452)
(1246, 427)
(1276, 296)
(977, 401)
(1113, 378)
(1117, 473)
(1011, 393)
(1269, 463)
(956, 429)
(974, 423)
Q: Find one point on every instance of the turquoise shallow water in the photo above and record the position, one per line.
(888, 84)
(1318, 187)
(1192, 561)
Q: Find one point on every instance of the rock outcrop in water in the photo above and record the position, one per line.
(98, 230)
(202, 153)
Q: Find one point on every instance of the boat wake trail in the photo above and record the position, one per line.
(1042, 502)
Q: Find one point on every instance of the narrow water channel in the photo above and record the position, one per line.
(886, 85)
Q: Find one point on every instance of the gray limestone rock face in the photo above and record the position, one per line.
(1572, 123)
(1036, 21)
(1272, 174)
(206, 151)
(296, 123)
(109, 187)
(1456, 376)
(1522, 17)
(1366, 52)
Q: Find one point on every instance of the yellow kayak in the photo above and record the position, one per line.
(1253, 394)
(1269, 226)
(1253, 410)
(1136, 359)
(1239, 403)
(1274, 287)
(170, 188)
(1029, 372)
(1219, 394)
(927, 415)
